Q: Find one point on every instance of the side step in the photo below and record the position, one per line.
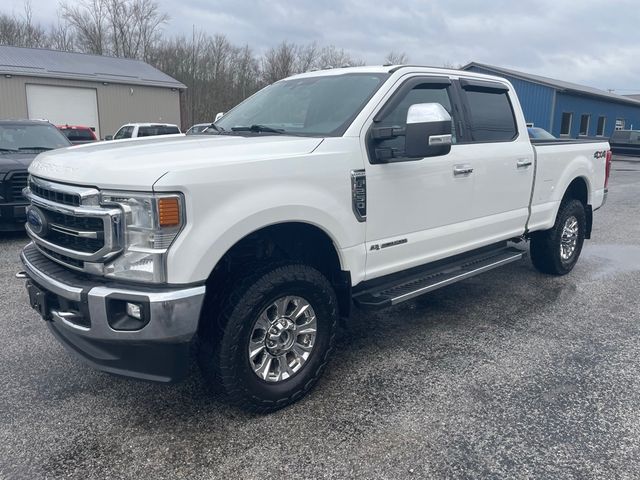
(429, 280)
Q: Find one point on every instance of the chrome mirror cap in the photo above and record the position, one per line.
(427, 113)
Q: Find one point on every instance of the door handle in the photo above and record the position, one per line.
(524, 163)
(462, 170)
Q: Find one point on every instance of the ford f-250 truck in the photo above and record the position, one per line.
(244, 247)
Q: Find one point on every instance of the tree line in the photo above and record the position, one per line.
(217, 73)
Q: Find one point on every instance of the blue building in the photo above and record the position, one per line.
(567, 109)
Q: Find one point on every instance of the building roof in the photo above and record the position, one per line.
(559, 85)
(37, 62)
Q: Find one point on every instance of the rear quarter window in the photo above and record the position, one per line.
(491, 117)
(78, 134)
(157, 130)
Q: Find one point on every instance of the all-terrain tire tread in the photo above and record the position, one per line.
(221, 342)
(544, 247)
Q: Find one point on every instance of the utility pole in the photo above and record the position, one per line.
(193, 74)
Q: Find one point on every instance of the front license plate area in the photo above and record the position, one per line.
(39, 301)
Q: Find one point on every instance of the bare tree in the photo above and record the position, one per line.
(279, 62)
(307, 57)
(332, 57)
(21, 31)
(123, 28)
(89, 21)
(34, 35)
(134, 25)
(396, 58)
(61, 36)
(10, 33)
(452, 66)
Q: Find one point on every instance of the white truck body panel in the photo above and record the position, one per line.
(556, 168)
(226, 204)
(234, 186)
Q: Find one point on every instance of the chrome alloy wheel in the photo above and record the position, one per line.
(569, 238)
(282, 339)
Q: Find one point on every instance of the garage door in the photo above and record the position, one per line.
(63, 105)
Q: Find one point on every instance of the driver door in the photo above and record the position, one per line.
(418, 210)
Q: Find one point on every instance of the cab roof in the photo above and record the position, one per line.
(390, 69)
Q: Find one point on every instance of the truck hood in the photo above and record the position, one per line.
(138, 164)
(14, 161)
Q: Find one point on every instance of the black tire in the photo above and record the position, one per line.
(545, 245)
(223, 350)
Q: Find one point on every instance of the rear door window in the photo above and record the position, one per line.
(490, 114)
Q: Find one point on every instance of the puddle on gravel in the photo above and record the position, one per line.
(612, 258)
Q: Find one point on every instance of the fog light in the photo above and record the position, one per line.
(134, 310)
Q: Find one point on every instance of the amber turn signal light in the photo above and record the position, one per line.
(169, 212)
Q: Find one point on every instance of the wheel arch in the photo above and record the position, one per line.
(579, 189)
(293, 241)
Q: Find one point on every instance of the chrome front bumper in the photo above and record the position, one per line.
(81, 318)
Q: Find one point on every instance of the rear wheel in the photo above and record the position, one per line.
(271, 340)
(556, 251)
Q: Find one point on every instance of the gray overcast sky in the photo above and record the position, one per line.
(587, 41)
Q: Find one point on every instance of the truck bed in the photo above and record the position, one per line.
(558, 163)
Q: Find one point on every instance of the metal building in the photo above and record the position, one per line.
(567, 109)
(79, 89)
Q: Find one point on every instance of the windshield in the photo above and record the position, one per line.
(322, 106)
(198, 128)
(18, 136)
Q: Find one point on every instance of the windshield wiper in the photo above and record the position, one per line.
(7, 149)
(257, 129)
(35, 148)
(215, 127)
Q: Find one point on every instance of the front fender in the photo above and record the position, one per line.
(214, 230)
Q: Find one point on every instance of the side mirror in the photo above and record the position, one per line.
(109, 137)
(428, 132)
(218, 116)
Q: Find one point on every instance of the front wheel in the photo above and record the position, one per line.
(556, 251)
(274, 334)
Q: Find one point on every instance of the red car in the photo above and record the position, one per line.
(78, 134)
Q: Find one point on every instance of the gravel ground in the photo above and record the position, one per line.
(511, 374)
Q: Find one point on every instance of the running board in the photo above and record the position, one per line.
(430, 280)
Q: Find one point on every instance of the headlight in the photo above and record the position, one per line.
(151, 223)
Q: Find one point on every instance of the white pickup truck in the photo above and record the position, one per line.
(244, 246)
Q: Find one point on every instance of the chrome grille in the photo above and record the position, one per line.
(68, 225)
(84, 234)
(71, 262)
(53, 195)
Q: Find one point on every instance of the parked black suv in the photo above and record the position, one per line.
(20, 142)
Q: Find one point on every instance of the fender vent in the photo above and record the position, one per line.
(359, 194)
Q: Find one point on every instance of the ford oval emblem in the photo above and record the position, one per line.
(37, 221)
